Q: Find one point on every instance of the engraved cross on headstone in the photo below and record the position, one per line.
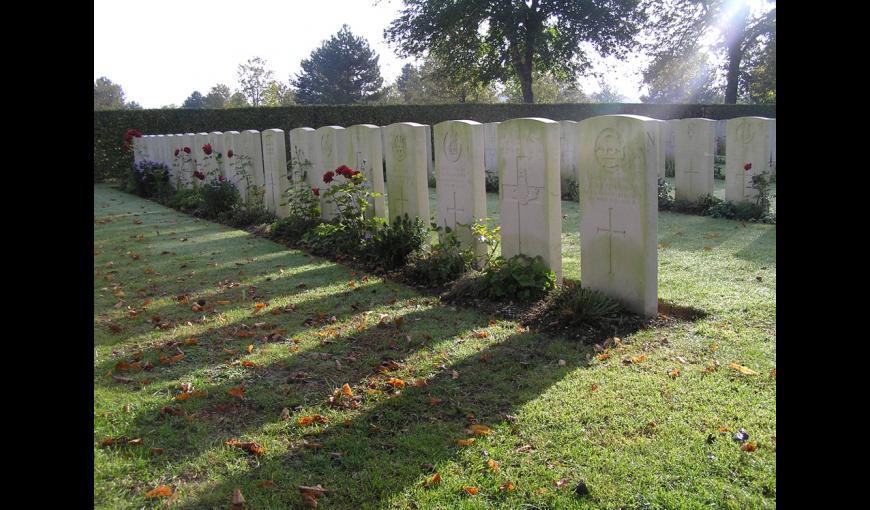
(399, 199)
(691, 172)
(522, 193)
(454, 209)
(610, 233)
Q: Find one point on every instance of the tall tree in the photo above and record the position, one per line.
(193, 101)
(217, 97)
(253, 79)
(443, 84)
(607, 94)
(759, 77)
(547, 87)
(678, 30)
(688, 80)
(500, 39)
(344, 70)
(133, 105)
(238, 100)
(409, 85)
(107, 95)
(277, 94)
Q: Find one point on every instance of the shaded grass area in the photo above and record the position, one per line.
(637, 437)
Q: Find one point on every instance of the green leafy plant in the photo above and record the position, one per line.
(149, 179)
(571, 190)
(520, 277)
(719, 167)
(670, 168)
(389, 246)
(575, 305)
(444, 262)
(664, 195)
(186, 199)
(487, 232)
(241, 217)
(218, 196)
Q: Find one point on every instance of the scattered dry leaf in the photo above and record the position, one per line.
(471, 490)
(743, 370)
(345, 389)
(163, 491)
(493, 466)
(316, 418)
(480, 430)
(465, 442)
(248, 446)
(749, 447)
(396, 383)
(509, 486)
(674, 373)
(431, 482)
(238, 392)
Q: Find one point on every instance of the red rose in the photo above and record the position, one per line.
(176, 152)
(316, 192)
(221, 178)
(199, 175)
(327, 177)
(207, 149)
(747, 166)
(187, 150)
(230, 153)
(134, 132)
(344, 171)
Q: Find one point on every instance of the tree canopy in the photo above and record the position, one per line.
(343, 70)
(253, 80)
(108, 95)
(502, 40)
(193, 101)
(217, 97)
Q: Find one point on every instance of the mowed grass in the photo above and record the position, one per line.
(636, 436)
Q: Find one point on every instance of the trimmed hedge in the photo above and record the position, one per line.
(109, 126)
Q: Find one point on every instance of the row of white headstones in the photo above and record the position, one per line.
(615, 160)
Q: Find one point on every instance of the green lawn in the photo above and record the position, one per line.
(635, 435)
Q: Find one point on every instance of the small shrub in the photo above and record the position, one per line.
(246, 217)
(326, 239)
(719, 167)
(391, 245)
(186, 199)
(664, 192)
(575, 305)
(571, 190)
(149, 179)
(219, 197)
(520, 277)
(292, 228)
(445, 262)
(491, 182)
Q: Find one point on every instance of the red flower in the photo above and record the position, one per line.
(747, 167)
(230, 153)
(207, 149)
(344, 171)
(316, 192)
(134, 132)
(187, 150)
(221, 178)
(126, 146)
(176, 152)
(199, 175)
(327, 177)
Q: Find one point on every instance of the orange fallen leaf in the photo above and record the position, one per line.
(723, 430)
(674, 373)
(471, 490)
(396, 383)
(481, 334)
(250, 348)
(480, 430)
(162, 491)
(260, 306)
(315, 418)
(603, 356)
(346, 390)
(434, 401)
(465, 442)
(594, 387)
(266, 484)
(749, 447)
(431, 482)
(191, 341)
(223, 302)
(157, 450)
(248, 364)
(244, 334)
(177, 357)
(509, 486)
(238, 392)
(743, 370)
(493, 465)
(773, 372)
(182, 396)
(634, 359)
(310, 494)
(248, 446)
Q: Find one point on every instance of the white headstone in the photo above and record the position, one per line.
(490, 148)
(460, 179)
(749, 141)
(619, 208)
(365, 154)
(430, 172)
(216, 139)
(138, 149)
(406, 159)
(231, 164)
(773, 149)
(302, 158)
(187, 164)
(250, 163)
(528, 161)
(695, 146)
(567, 162)
(199, 141)
(720, 136)
(656, 144)
(331, 151)
(159, 141)
(275, 171)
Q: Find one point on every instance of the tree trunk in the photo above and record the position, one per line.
(524, 73)
(735, 54)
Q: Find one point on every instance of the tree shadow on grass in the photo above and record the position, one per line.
(389, 447)
(762, 249)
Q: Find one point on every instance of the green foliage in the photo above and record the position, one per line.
(293, 228)
(149, 179)
(391, 245)
(664, 194)
(217, 97)
(112, 161)
(303, 204)
(327, 239)
(487, 232)
(445, 262)
(107, 95)
(218, 197)
(571, 190)
(519, 278)
(670, 168)
(242, 217)
(254, 78)
(719, 167)
(491, 182)
(194, 101)
(344, 70)
(575, 305)
(186, 199)
(709, 205)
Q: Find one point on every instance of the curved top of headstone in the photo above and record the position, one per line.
(369, 126)
(463, 121)
(409, 124)
(537, 119)
(251, 131)
(231, 132)
(624, 116)
(752, 117)
(329, 127)
(694, 119)
(216, 133)
(201, 134)
(302, 129)
(273, 130)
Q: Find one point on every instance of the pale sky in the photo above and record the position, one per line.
(160, 51)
